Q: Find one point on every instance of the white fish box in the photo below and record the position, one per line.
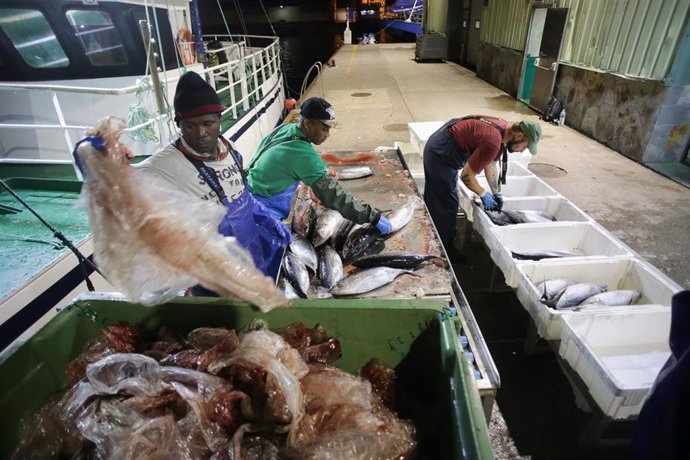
(516, 186)
(421, 131)
(515, 169)
(523, 158)
(618, 356)
(561, 208)
(587, 239)
(656, 289)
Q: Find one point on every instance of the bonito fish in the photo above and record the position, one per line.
(573, 295)
(368, 280)
(613, 298)
(135, 226)
(403, 215)
(551, 287)
(303, 218)
(330, 267)
(326, 224)
(355, 172)
(393, 260)
(303, 249)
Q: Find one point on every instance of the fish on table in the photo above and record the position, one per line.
(330, 267)
(326, 224)
(303, 249)
(354, 172)
(393, 260)
(296, 273)
(304, 218)
(368, 280)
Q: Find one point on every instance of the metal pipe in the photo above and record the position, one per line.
(153, 66)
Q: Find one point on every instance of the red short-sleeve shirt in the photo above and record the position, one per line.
(480, 140)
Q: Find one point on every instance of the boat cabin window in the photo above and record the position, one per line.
(33, 38)
(98, 37)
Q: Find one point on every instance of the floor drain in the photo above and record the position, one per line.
(547, 170)
(360, 94)
(395, 127)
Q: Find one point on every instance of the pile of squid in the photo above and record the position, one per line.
(217, 393)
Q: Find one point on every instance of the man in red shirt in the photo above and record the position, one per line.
(473, 144)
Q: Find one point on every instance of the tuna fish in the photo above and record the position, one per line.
(519, 216)
(403, 215)
(499, 218)
(393, 260)
(340, 235)
(528, 216)
(330, 267)
(613, 298)
(355, 172)
(368, 280)
(538, 255)
(296, 273)
(303, 218)
(303, 249)
(550, 288)
(326, 224)
(573, 295)
(358, 241)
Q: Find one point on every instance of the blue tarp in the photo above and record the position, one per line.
(405, 6)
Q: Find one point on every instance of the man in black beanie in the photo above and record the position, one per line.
(204, 165)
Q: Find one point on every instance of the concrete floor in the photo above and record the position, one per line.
(377, 89)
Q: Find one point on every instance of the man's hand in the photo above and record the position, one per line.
(499, 201)
(384, 225)
(488, 201)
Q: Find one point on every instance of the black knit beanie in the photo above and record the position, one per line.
(194, 97)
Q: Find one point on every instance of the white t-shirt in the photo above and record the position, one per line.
(174, 168)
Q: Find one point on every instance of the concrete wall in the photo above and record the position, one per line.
(642, 119)
(499, 66)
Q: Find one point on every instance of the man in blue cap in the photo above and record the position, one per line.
(286, 157)
(474, 144)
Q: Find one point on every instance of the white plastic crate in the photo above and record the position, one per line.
(656, 289)
(618, 356)
(523, 158)
(516, 186)
(421, 131)
(587, 239)
(561, 208)
(514, 169)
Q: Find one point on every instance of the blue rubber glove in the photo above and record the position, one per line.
(384, 226)
(499, 201)
(488, 201)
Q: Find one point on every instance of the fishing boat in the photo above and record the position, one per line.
(405, 16)
(65, 65)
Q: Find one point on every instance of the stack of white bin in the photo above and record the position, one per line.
(617, 351)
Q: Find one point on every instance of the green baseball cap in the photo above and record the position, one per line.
(532, 132)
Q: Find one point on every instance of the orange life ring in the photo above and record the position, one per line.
(185, 41)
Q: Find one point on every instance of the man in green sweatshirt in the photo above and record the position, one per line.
(287, 157)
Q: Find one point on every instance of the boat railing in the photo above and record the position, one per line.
(49, 115)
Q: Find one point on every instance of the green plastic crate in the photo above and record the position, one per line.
(415, 336)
